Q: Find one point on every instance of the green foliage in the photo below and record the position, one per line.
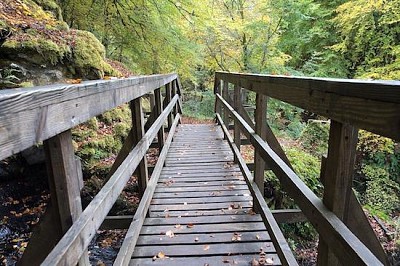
(370, 38)
(307, 168)
(199, 104)
(382, 193)
(314, 138)
(285, 119)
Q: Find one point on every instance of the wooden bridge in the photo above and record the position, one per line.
(201, 204)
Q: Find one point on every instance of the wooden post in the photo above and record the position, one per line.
(158, 111)
(261, 130)
(237, 103)
(174, 91)
(217, 90)
(65, 185)
(138, 127)
(168, 100)
(338, 179)
(225, 95)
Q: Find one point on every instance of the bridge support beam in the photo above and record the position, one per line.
(237, 101)
(65, 181)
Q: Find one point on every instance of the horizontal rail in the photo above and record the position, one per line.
(285, 254)
(345, 245)
(29, 116)
(71, 247)
(131, 237)
(369, 105)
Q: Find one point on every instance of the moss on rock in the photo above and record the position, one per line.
(88, 56)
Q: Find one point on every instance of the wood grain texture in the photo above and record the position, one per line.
(31, 115)
(202, 201)
(369, 105)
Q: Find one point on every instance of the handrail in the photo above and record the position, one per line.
(31, 115)
(350, 104)
(71, 247)
(369, 105)
(47, 113)
(348, 247)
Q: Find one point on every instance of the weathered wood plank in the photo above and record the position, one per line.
(214, 238)
(203, 220)
(198, 206)
(201, 184)
(212, 249)
(201, 200)
(215, 193)
(200, 213)
(240, 260)
(28, 116)
(210, 188)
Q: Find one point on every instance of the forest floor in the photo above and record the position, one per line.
(24, 198)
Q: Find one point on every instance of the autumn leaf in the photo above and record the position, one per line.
(178, 226)
(206, 247)
(170, 234)
(190, 225)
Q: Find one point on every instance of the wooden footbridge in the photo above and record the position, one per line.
(201, 204)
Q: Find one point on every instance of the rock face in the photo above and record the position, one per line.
(38, 48)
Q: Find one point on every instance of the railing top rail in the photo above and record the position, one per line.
(28, 116)
(370, 105)
(380, 90)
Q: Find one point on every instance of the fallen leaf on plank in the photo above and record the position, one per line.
(206, 247)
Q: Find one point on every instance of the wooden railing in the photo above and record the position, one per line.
(47, 114)
(345, 233)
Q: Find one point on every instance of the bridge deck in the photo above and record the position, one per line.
(201, 211)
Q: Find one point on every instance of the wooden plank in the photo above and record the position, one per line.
(203, 220)
(201, 200)
(214, 238)
(341, 239)
(285, 254)
(138, 133)
(29, 116)
(210, 188)
(260, 129)
(201, 184)
(199, 206)
(239, 260)
(133, 232)
(189, 213)
(78, 237)
(215, 193)
(370, 105)
(288, 216)
(201, 250)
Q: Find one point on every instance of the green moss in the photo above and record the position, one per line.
(89, 56)
(38, 50)
(50, 6)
